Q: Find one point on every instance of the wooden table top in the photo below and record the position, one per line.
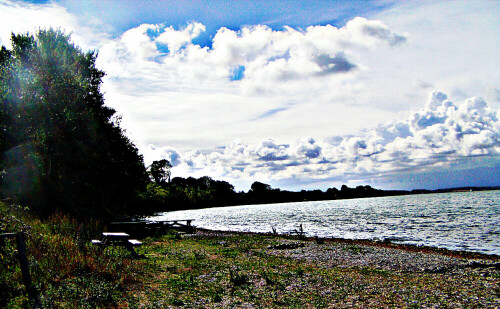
(116, 234)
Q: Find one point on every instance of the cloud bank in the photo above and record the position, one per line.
(261, 54)
(247, 84)
(440, 134)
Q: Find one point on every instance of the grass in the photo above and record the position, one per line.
(212, 271)
(66, 270)
(237, 271)
(355, 249)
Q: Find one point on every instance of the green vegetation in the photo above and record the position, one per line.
(62, 148)
(66, 270)
(204, 192)
(210, 270)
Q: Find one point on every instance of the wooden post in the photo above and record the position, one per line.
(25, 269)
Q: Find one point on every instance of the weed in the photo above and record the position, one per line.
(177, 302)
(269, 278)
(372, 271)
(229, 253)
(299, 271)
(217, 298)
(66, 270)
(199, 255)
(355, 249)
(237, 278)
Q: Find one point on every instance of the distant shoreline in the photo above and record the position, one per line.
(374, 193)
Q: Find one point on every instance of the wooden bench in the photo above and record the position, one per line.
(177, 224)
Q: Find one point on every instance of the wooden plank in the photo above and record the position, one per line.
(8, 235)
(25, 271)
(130, 222)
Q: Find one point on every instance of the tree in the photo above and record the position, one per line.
(160, 171)
(259, 187)
(61, 148)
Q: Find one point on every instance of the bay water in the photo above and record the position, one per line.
(466, 221)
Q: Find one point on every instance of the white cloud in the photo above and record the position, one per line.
(263, 52)
(285, 75)
(21, 17)
(451, 46)
(440, 133)
(175, 40)
(151, 153)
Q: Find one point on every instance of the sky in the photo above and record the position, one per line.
(297, 94)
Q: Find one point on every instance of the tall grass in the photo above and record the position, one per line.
(66, 270)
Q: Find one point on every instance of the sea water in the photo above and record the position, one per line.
(466, 221)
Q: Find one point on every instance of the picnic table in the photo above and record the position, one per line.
(177, 223)
(148, 228)
(118, 239)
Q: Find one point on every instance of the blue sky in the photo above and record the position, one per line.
(297, 94)
(124, 15)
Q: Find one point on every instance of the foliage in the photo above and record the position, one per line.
(188, 193)
(160, 171)
(62, 150)
(204, 192)
(66, 270)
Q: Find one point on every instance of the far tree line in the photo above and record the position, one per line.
(165, 194)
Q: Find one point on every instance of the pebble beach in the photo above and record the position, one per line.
(422, 277)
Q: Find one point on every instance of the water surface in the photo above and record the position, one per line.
(468, 221)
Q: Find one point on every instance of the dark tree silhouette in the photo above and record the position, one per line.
(160, 171)
(61, 148)
(259, 187)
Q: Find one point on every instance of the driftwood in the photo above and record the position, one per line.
(475, 264)
(286, 246)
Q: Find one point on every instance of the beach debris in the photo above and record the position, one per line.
(475, 264)
(286, 246)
